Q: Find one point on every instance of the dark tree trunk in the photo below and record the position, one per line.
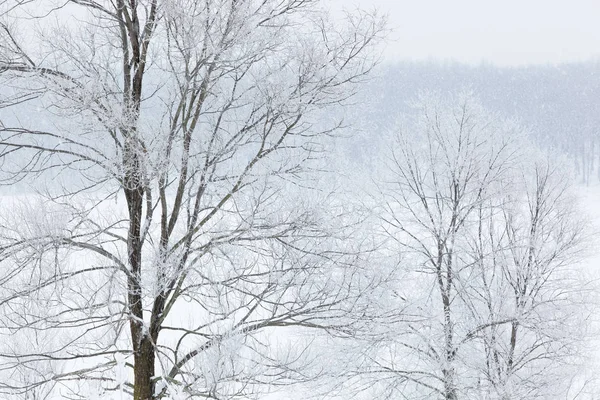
(143, 387)
(142, 341)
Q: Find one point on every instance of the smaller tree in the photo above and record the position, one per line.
(526, 248)
(487, 238)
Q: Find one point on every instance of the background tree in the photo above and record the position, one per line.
(488, 242)
(165, 138)
(534, 237)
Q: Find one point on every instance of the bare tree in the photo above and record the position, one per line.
(533, 237)
(165, 138)
(487, 241)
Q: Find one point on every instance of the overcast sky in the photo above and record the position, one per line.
(504, 32)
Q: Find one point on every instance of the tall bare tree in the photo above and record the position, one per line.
(165, 138)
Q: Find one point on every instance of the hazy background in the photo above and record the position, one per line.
(507, 33)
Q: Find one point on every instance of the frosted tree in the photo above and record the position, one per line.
(487, 239)
(168, 239)
(527, 248)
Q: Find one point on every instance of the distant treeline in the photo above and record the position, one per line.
(559, 103)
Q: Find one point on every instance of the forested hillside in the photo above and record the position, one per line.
(560, 104)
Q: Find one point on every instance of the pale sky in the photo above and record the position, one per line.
(504, 32)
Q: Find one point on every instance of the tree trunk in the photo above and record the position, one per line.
(449, 387)
(142, 343)
(143, 386)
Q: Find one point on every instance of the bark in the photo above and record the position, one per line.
(142, 343)
(143, 387)
(449, 387)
